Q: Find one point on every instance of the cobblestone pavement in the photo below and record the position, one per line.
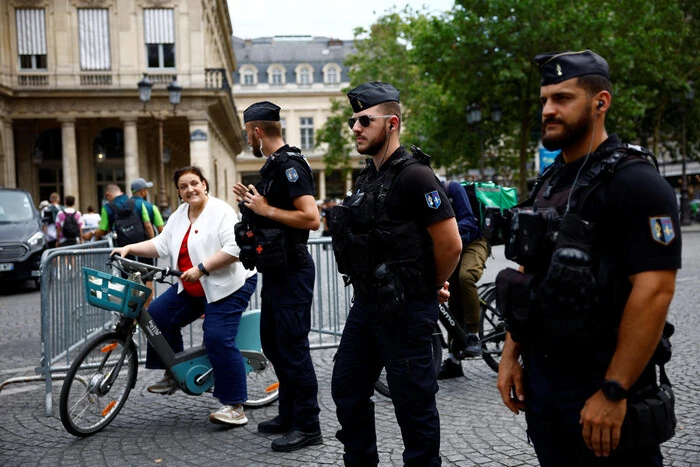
(477, 430)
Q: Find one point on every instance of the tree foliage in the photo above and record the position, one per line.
(481, 52)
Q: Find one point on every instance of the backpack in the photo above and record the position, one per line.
(127, 223)
(49, 214)
(70, 228)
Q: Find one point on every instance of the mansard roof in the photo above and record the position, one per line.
(290, 51)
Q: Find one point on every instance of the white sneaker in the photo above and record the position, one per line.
(229, 415)
(167, 384)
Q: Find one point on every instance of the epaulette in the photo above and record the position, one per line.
(420, 155)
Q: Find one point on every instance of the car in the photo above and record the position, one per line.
(22, 240)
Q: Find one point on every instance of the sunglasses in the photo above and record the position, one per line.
(365, 120)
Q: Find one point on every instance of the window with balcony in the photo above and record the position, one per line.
(276, 76)
(93, 35)
(331, 73)
(248, 75)
(306, 125)
(304, 73)
(160, 37)
(31, 38)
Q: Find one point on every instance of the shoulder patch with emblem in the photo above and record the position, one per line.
(662, 229)
(292, 174)
(433, 199)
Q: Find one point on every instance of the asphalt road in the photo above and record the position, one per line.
(477, 430)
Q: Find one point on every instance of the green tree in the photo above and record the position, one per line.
(481, 52)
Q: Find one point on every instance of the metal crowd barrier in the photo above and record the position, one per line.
(68, 321)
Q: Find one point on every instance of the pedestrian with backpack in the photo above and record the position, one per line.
(69, 224)
(123, 216)
(48, 219)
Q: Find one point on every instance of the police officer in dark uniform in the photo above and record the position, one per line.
(278, 213)
(396, 240)
(599, 246)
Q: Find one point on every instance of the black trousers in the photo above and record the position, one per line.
(285, 322)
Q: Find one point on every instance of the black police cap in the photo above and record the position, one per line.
(262, 111)
(560, 66)
(370, 94)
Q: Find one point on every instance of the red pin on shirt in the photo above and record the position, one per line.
(196, 231)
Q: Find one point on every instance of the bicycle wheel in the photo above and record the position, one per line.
(492, 328)
(382, 386)
(88, 402)
(263, 385)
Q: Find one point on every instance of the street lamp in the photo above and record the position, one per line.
(174, 94)
(685, 202)
(473, 118)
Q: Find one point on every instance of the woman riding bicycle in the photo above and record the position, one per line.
(199, 238)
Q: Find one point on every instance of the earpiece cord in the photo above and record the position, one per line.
(385, 151)
(585, 160)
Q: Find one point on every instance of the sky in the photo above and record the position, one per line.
(329, 18)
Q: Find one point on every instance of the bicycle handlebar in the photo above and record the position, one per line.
(147, 271)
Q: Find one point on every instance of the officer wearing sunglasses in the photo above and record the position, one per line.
(396, 240)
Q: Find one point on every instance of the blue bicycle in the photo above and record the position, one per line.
(104, 372)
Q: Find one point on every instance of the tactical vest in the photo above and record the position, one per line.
(265, 244)
(365, 238)
(567, 312)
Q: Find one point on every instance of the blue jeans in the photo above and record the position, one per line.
(172, 311)
(285, 322)
(404, 348)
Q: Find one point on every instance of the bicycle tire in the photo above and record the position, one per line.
(382, 386)
(263, 386)
(85, 407)
(492, 327)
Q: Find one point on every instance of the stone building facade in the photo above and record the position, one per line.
(301, 74)
(70, 116)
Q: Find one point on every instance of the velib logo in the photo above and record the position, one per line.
(152, 329)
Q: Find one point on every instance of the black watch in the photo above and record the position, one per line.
(201, 267)
(613, 390)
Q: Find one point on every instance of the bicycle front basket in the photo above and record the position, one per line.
(109, 292)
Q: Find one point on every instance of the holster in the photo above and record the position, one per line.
(514, 300)
(246, 242)
(650, 421)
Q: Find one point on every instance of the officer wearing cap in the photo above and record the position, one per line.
(396, 240)
(598, 295)
(278, 213)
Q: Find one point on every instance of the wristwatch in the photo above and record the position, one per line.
(201, 267)
(613, 390)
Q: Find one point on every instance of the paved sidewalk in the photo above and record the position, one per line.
(477, 430)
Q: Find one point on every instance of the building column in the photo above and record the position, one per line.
(199, 147)
(131, 153)
(7, 152)
(348, 181)
(70, 158)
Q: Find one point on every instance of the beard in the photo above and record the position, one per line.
(570, 134)
(373, 146)
(255, 147)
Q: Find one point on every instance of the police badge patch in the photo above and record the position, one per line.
(662, 229)
(433, 199)
(292, 174)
